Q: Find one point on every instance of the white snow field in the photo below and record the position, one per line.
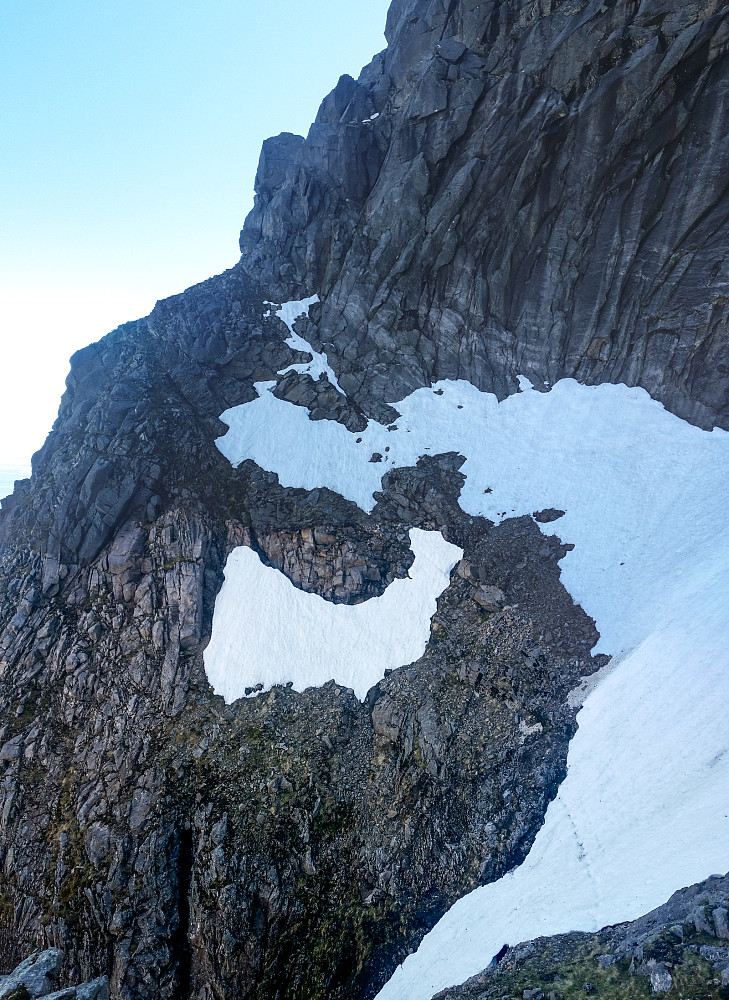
(267, 631)
(644, 809)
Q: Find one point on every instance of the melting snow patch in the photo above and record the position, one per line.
(266, 631)
(641, 488)
(289, 312)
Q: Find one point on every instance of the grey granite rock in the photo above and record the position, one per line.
(36, 974)
(534, 209)
(97, 989)
(661, 978)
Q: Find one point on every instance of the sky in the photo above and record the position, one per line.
(129, 141)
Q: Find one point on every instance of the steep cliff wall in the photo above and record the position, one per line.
(542, 192)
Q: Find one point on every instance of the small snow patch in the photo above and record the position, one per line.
(288, 313)
(578, 695)
(266, 631)
(527, 730)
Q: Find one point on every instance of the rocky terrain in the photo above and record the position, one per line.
(681, 949)
(510, 188)
(542, 191)
(36, 977)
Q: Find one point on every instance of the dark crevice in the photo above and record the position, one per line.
(180, 941)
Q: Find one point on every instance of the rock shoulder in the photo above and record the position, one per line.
(679, 949)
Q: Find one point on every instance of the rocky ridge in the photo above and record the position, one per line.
(515, 188)
(679, 949)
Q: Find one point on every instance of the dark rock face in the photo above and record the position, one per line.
(511, 188)
(290, 844)
(542, 193)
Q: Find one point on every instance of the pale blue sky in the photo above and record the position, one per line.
(129, 138)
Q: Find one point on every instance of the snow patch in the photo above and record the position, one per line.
(643, 811)
(527, 730)
(641, 489)
(266, 631)
(577, 696)
(289, 312)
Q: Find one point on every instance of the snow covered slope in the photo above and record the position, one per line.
(644, 808)
(266, 631)
(643, 811)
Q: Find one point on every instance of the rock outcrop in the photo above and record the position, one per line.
(515, 188)
(35, 978)
(172, 841)
(678, 949)
(510, 188)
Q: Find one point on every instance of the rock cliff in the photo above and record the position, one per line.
(511, 188)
